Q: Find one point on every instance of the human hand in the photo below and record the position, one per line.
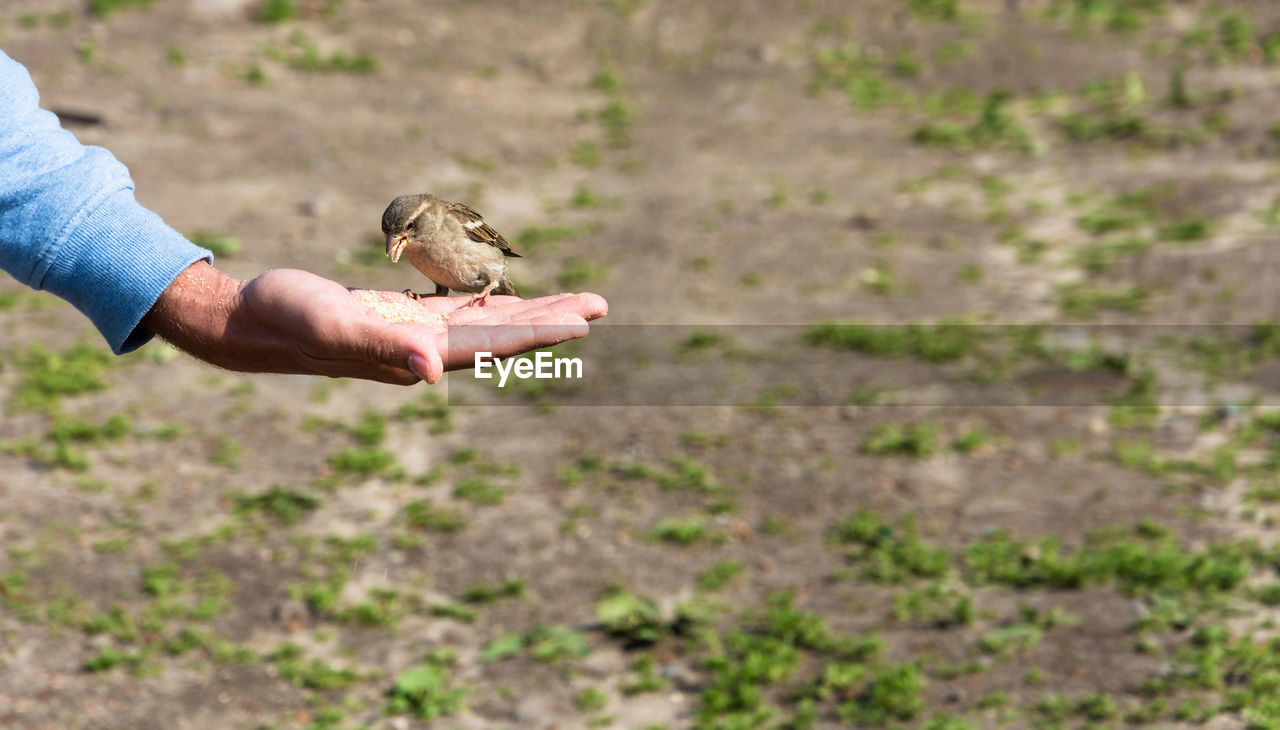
(291, 321)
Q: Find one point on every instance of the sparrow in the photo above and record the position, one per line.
(449, 243)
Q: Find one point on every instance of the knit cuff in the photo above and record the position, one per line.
(114, 265)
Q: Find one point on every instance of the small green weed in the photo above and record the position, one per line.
(423, 514)
(427, 692)
(279, 503)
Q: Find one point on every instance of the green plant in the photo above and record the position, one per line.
(630, 617)
(894, 693)
(889, 553)
(109, 658)
(427, 691)
(936, 343)
(103, 8)
(227, 453)
(512, 588)
(364, 461)
(688, 531)
(591, 699)
(918, 440)
(422, 513)
(48, 376)
(995, 126)
(935, 9)
(934, 603)
(220, 245)
(719, 575)
(310, 674)
(276, 11)
(479, 490)
(279, 503)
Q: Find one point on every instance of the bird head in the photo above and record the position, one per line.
(400, 222)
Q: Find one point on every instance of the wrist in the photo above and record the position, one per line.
(194, 311)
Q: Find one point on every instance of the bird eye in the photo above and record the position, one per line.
(413, 224)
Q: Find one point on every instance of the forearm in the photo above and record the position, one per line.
(69, 223)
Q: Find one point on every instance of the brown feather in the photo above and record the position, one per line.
(481, 233)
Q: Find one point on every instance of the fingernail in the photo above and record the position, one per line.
(418, 364)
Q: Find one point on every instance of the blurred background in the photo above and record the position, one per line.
(975, 202)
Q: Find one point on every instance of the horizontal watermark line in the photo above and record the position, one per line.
(842, 363)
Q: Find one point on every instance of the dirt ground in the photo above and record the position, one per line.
(187, 548)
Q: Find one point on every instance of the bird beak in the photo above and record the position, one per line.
(395, 246)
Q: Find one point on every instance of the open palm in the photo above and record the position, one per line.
(292, 321)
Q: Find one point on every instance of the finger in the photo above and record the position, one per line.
(587, 306)
(497, 312)
(508, 340)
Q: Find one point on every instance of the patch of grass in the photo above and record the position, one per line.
(850, 69)
(994, 127)
(455, 611)
(304, 54)
(889, 553)
(893, 693)
(719, 575)
(646, 677)
(917, 441)
(510, 589)
(481, 491)
(221, 245)
(947, 10)
(284, 505)
(536, 238)
(630, 617)
(1116, 16)
(1008, 640)
(310, 674)
(276, 11)
(371, 429)
(227, 453)
(103, 8)
(380, 612)
(935, 603)
(553, 644)
(585, 153)
(1099, 258)
(433, 409)
(1083, 301)
(577, 271)
(48, 376)
(972, 440)
(685, 532)
(617, 119)
(427, 691)
(1186, 231)
(606, 81)
(423, 514)
(936, 343)
(365, 462)
(1137, 564)
(110, 657)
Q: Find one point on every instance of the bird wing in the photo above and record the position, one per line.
(477, 230)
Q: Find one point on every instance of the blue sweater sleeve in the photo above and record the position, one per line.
(69, 222)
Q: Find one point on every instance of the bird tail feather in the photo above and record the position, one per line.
(506, 287)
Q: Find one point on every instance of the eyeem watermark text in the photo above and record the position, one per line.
(542, 366)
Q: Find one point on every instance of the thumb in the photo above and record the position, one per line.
(426, 364)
